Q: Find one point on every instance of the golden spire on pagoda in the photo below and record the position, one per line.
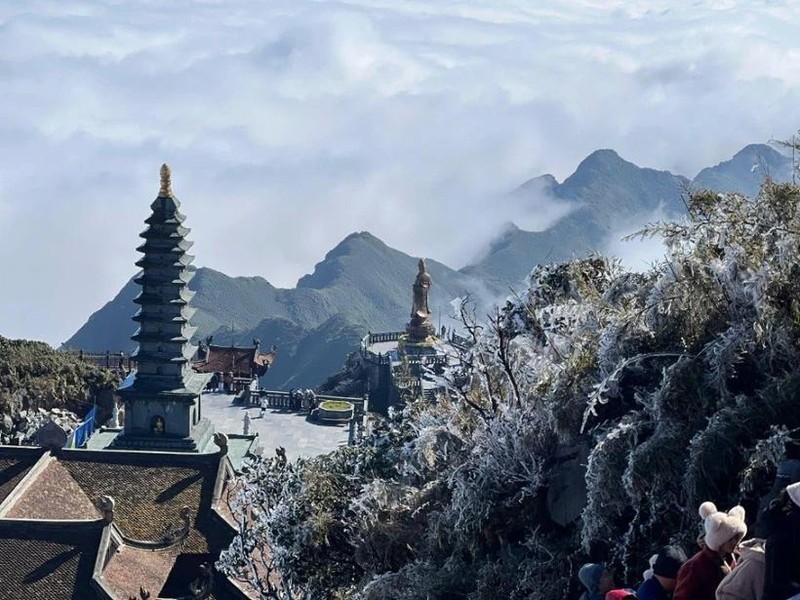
(166, 182)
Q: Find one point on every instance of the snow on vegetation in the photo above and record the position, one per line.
(680, 382)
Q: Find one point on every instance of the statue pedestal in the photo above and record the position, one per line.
(419, 329)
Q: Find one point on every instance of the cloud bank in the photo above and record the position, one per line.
(291, 123)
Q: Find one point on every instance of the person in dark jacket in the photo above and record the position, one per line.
(788, 473)
(782, 554)
(597, 580)
(665, 573)
(699, 576)
(213, 383)
(228, 382)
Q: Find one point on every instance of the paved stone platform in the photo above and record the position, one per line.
(291, 430)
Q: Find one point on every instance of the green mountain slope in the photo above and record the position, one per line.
(370, 282)
(220, 301)
(110, 327)
(361, 284)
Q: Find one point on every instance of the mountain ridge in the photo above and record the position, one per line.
(363, 284)
(607, 189)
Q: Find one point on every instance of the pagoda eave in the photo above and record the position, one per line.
(161, 217)
(143, 317)
(178, 232)
(192, 385)
(166, 249)
(157, 358)
(150, 280)
(154, 300)
(179, 262)
(157, 337)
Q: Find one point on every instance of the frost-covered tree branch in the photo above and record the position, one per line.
(679, 384)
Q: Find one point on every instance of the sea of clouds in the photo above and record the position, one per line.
(291, 123)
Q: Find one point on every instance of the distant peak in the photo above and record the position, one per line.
(758, 150)
(357, 239)
(753, 147)
(751, 155)
(546, 179)
(745, 171)
(604, 156)
(207, 274)
(358, 244)
(542, 183)
(508, 228)
(600, 163)
(361, 235)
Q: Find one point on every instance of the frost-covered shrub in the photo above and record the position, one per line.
(682, 382)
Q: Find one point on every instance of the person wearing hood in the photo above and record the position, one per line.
(769, 520)
(665, 569)
(746, 581)
(597, 580)
(782, 552)
(700, 576)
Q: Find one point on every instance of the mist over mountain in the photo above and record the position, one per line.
(362, 284)
(746, 171)
(608, 191)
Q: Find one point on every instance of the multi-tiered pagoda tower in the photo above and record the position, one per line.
(163, 396)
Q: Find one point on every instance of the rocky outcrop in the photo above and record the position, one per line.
(21, 428)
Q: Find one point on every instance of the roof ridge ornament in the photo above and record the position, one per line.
(106, 505)
(166, 182)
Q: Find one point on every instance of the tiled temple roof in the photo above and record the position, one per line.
(48, 561)
(151, 490)
(15, 462)
(243, 362)
(53, 494)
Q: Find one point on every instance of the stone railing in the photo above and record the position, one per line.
(428, 360)
(105, 360)
(377, 338)
(388, 336)
(284, 400)
(276, 399)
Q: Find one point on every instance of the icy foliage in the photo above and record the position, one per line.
(680, 383)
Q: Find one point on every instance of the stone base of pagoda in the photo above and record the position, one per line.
(196, 442)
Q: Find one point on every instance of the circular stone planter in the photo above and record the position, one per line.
(335, 411)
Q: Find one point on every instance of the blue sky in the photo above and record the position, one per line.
(289, 123)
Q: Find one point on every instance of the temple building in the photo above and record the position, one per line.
(244, 362)
(141, 512)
